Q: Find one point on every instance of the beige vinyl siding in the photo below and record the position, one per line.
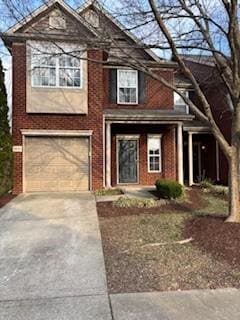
(58, 164)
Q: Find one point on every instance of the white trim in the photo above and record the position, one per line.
(108, 154)
(57, 133)
(197, 130)
(90, 159)
(104, 151)
(118, 96)
(17, 149)
(217, 162)
(46, 6)
(127, 137)
(159, 136)
(190, 159)
(23, 164)
(180, 153)
(60, 133)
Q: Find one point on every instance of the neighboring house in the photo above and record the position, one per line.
(208, 161)
(83, 121)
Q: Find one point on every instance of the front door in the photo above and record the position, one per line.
(127, 161)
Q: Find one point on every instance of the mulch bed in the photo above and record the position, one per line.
(107, 209)
(211, 260)
(214, 235)
(4, 199)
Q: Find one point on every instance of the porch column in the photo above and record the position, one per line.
(217, 162)
(190, 158)
(108, 154)
(180, 153)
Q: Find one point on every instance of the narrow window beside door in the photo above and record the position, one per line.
(154, 153)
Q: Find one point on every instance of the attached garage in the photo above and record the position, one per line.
(57, 164)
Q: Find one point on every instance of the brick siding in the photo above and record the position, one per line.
(169, 162)
(92, 121)
(156, 97)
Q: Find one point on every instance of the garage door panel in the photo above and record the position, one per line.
(56, 164)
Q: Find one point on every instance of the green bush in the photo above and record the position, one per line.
(169, 189)
(206, 183)
(133, 202)
(108, 192)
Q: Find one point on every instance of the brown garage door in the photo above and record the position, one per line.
(56, 164)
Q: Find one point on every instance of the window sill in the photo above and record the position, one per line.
(57, 88)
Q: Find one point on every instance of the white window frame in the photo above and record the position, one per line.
(159, 136)
(177, 96)
(118, 87)
(58, 67)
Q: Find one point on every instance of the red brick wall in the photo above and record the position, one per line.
(157, 96)
(169, 164)
(92, 121)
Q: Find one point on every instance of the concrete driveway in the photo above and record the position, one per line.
(51, 259)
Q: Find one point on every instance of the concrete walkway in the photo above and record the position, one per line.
(52, 268)
(222, 304)
(51, 259)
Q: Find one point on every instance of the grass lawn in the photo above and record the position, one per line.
(143, 253)
(108, 192)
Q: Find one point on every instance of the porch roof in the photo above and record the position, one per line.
(196, 126)
(141, 115)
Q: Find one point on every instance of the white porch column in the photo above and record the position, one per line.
(190, 158)
(180, 153)
(217, 162)
(108, 154)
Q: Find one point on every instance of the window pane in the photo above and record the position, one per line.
(154, 163)
(127, 95)
(127, 78)
(66, 77)
(69, 61)
(178, 99)
(44, 77)
(154, 145)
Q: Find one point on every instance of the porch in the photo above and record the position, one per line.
(142, 146)
(201, 154)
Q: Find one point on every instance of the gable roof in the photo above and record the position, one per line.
(46, 6)
(18, 30)
(199, 58)
(95, 4)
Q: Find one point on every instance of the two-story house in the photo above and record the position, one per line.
(82, 120)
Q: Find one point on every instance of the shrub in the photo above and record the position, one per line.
(206, 184)
(138, 203)
(169, 189)
(108, 192)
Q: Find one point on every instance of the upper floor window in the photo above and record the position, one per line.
(50, 68)
(179, 103)
(127, 87)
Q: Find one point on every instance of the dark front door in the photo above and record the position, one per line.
(127, 161)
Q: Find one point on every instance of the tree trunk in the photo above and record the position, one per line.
(234, 213)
